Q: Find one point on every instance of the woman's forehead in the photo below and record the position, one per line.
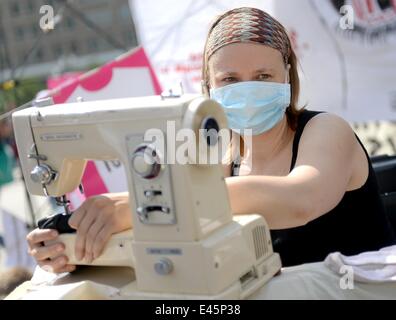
(245, 55)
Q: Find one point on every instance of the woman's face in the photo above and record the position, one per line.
(239, 62)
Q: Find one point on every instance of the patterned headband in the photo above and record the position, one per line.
(248, 25)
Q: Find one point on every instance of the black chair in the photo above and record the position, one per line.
(385, 169)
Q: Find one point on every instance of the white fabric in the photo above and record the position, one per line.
(315, 281)
(83, 290)
(87, 283)
(368, 267)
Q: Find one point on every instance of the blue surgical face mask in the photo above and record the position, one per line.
(255, 105)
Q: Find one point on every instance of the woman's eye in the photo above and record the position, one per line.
(264, 76)
(229, 79)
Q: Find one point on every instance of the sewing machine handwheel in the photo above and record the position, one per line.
(145, 162)
(211, 131)
(206, 118)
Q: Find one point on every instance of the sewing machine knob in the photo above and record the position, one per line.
(151, 194)
(145, 163)
(42, 174)
(163, 266)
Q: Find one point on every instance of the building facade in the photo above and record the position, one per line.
(86, 33)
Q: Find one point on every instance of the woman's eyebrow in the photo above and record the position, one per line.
(226, 73)
(234, 73)
(261, 70)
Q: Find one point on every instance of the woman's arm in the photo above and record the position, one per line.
(323, 170)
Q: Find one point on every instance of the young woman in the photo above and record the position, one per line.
(310, 177)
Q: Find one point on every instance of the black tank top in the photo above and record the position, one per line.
(357, 224)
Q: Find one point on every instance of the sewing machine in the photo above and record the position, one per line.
(185, 244)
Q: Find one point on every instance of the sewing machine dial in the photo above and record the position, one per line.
(146, 162)
(152, 183)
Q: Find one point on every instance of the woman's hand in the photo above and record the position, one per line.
(96, 220)
(49, 258)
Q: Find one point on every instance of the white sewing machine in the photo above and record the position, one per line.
(186, 244)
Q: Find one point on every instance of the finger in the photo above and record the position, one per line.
(82, 231)
(93, 214)
(67, 268)
(54, 265)
(79, 249)
(47, 252)
(79, 214)
(91, 236)
(101, 240)
(40, 235)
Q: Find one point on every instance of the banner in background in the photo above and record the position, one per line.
(347, 50)
(379, 137)
(173, 33)
(130, 75)
(64, 79)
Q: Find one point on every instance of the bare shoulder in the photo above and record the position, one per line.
(329, 124)
(327, 140)
(330, 136)
(328, 129)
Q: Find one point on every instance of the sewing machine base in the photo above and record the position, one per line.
(238, 291)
